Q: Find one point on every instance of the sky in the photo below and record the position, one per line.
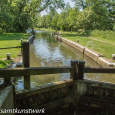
(66, 1)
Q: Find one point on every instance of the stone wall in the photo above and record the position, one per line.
(95, 97)
(53, 97)
(62, 97)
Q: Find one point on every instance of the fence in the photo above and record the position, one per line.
(25, 57)
(77, 69)
(73, 92)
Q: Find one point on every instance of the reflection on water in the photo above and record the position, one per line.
(44, 52)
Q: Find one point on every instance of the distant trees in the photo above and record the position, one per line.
(87, 15)
(50, 17)
(54, 23)
(19, 15)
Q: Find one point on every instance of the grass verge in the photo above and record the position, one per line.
(104, 48)
(10, 40)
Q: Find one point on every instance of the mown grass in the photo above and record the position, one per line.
(104, 35)
(104, 48)
(10, 40)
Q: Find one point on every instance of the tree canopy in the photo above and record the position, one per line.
(19, 15)
(87, 15)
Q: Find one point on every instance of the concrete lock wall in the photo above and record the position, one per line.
(6, 99)
(93, 55)
(71, 43)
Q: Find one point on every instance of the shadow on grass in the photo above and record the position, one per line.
(13, 36)
(73, 35)
(4, 63)
(82, 34)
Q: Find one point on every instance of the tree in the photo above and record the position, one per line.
(42, 21)
(49, 17)
(81, 4)
(72, 18)
(25, 13)
(62, 20)
(6, 18)
(54, 22)
(95, 14)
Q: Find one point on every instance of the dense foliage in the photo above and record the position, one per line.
(19, 15)
(86, 15)
(0, 30)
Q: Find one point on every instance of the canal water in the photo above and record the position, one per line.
(45, 52)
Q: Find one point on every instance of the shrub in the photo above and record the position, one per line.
(3, 64)
(0, 30)
(108, 35)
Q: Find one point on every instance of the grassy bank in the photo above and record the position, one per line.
(10, 40)
(108, 36)
(104, 48)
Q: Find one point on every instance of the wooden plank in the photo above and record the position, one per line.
(74, 72)
(96, 105)
(30, 40)
(44, 88)
(96, 83)
(81, 70)
(13, 72)
(74, 76)
(60, 102)
(99, 70)
(101, 102)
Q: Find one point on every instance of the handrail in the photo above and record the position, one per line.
(11, 47)
(15, 72)
(30, 39)
(99, 70)
(76, 70)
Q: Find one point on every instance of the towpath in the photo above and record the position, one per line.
(101, 40)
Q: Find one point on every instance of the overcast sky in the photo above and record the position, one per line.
(66, 1)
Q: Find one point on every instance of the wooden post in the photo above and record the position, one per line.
(26, 62)
(8, 56)
(33, 32)
(7, 80)
(81, 65)
(14, 95)
(74, 73)
(74, 76)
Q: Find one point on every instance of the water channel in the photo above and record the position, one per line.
(45, 52)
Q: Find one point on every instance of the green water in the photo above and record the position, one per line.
(45, 52)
